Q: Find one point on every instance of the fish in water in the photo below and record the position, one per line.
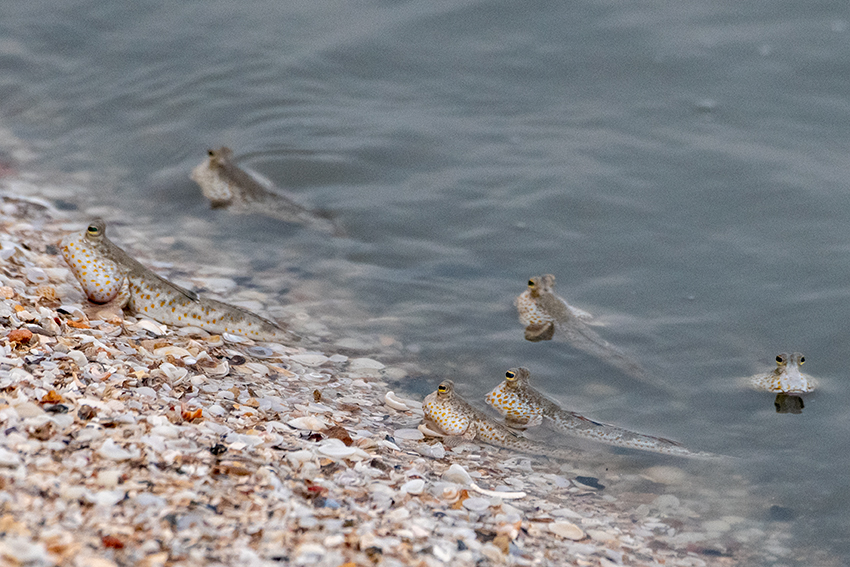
(106, 273)
(547, 316)
(523, 406)
(226, 185)
(786, 378)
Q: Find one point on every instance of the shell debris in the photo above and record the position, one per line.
(110, 429)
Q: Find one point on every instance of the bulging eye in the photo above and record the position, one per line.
(780, 359)
(93, 230)
(802, 360)
(530, 283)
(510, 374)
(442, 389)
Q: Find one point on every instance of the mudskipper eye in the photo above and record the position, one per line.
(780, 359)
(93, 230)
(510, 374)
(802, 360)
(442, 389)
(530, 283)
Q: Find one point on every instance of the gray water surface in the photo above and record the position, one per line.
(680, 166)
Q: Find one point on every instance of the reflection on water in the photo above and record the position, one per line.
(788, 403)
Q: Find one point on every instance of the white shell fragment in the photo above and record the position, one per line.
(415, 486)
(308, 422)
(507, 495)
(457, 474)
(395, 402)
(566, 530)
(408, 434)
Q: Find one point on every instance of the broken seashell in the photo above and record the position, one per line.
(505, 495)
(414, 486)
(408, 434)
(174, 351)
(308, 422)
(173, 372)
(151, 327)
(395, 402)
(566, 530)
(428, 432)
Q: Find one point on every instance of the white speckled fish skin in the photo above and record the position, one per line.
(546, 316)
(520, 403)
(100, 277)
(786, 378)
(226, 185)
(100, 265)
(454, 416)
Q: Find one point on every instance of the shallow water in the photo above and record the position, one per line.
(679, 166)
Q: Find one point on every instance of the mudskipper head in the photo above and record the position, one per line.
(96, 230)
(445, 389)
(220, 156)
(516, 377)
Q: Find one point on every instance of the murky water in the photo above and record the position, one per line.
(681, 167)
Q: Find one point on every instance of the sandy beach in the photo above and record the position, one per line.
(128, 443)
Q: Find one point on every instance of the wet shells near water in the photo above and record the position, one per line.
(309, 359)
(260, 352)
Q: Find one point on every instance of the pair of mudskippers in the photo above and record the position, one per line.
(106, 273)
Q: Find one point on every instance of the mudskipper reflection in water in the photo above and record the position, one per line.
(107, 273)
(227, 185)
(547, 316)
(523, 406)
(788, 404)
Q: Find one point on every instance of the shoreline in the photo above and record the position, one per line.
(129, 444)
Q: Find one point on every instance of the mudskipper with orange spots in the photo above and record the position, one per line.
(106, 272)
(546, 316)
(523, 406)
(453, 416)
(786, 378)
(228, 186)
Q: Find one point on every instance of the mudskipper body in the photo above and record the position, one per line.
(547, 316)
(106, 272)
(228, 186)
(522, 405)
